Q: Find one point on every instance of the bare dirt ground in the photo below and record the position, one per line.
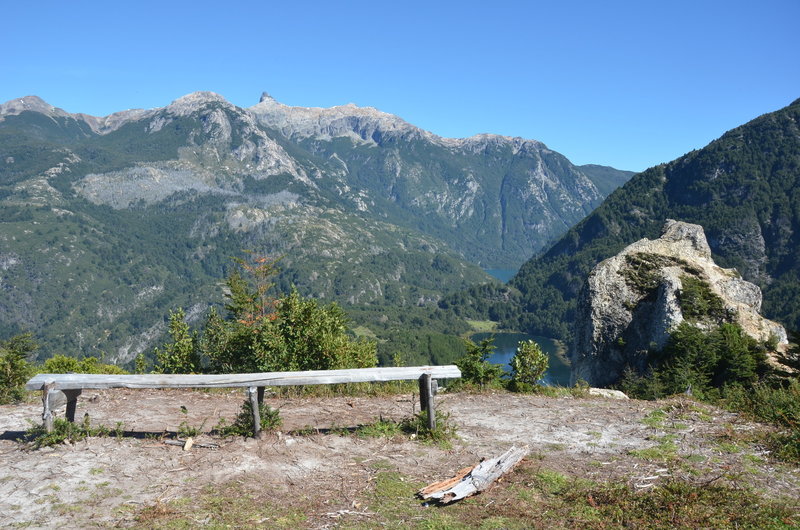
(100, 482)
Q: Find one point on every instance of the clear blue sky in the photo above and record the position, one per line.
(622, 83)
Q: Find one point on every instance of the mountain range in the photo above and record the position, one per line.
(107, 223)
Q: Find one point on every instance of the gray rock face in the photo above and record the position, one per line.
(630, 302)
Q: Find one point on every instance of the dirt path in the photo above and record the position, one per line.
(108, 481)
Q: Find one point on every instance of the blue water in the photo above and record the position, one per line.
(558, 371)
(504, 275)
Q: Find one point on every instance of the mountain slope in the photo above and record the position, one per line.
(107, 223)
(496, 199)
(743, 188)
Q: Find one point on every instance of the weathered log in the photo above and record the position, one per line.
(472, 480)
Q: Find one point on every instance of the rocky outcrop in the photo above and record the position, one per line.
(631, 302)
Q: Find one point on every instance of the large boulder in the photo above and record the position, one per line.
(632, 301)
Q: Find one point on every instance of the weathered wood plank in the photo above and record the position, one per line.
(473, 480)
(314, 377)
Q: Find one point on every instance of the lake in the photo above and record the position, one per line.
(504, 275)
(558, 370)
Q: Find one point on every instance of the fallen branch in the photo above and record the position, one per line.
(472, 480)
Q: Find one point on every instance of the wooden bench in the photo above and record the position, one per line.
(72, 384)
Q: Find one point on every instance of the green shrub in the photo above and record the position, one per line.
(699, 302)
(728, 367)
(186, 430)
(64, 430)
(475, 366)
(181, 355)
(61, 364)
(300, 335)
(701, 362)
(642, 273)
(778, 404)
(379, 429)
(528, 365)
(265, 334)
(417, 425)
(648, 386)
(15, 370)
(243, 423)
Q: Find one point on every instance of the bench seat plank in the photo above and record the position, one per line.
(314, 377)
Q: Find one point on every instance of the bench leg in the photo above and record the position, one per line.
(72, 403)
(47, 414)
(261, 390)
(427, 390)
(252, 393)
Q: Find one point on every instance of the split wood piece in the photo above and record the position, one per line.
(476, 479)
(183, 443)
(445, 484)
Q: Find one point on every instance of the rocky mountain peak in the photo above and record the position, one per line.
(483, 140)
(30, 103)
(349, 120)
(100, 125)
(632, 302)
(678, 235)
(192, 102)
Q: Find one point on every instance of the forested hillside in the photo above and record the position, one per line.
(744, 189)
